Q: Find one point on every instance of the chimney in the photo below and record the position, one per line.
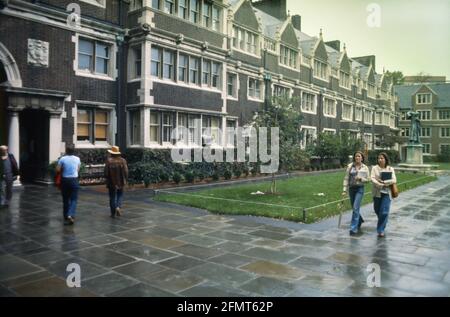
(275, 8)
(297, 22)
(334, 44)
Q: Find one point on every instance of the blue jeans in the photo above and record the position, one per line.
(381, 206)
(356, 195)
(115, 199)
(69, 191)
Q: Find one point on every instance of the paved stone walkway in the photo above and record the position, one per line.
(158, 249)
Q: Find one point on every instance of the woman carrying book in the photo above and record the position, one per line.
(356, 175)
(383, 176)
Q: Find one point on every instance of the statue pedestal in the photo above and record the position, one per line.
(414, 154)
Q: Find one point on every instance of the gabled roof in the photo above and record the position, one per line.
(405, 93)
(308, 46)
(269, 23)
(334, 57)
(378, 79)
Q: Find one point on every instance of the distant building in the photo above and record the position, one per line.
(424, 79)
(432, 101)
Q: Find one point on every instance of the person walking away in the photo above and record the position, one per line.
(10, 171)
(69, 167)
(116, 175)
(382, 176)
(356, 175)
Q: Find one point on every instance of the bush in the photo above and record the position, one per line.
(189, 176)
(215, 176)
(444, 156)
(176, 177)
(227, 174)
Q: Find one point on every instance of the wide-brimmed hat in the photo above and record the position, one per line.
(114, 150)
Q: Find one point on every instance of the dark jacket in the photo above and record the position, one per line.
(116, 172)
(15, 167)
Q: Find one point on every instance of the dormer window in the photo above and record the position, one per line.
(422, 99)
(320, 70)
(344, 79)
(288, 56)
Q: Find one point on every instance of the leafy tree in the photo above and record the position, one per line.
(283, 113)
(396, 77)
(348, 145)
(325, 146)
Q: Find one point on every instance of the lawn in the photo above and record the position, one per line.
(442, 166)
(294, 201)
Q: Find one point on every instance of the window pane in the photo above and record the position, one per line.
(86, 47)
(83, 132)
(135, 117)
(84, 61)
(101, 65)
(101, 50)
(100, 132)
(101, 117)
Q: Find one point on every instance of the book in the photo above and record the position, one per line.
(386, 176)
(362, 174)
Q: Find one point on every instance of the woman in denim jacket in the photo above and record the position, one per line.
(356, 175)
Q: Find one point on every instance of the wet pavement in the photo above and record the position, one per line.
(159, 249)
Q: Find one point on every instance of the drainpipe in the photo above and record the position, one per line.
(119, 102)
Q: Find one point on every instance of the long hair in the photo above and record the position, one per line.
(386, 158)
(362, 156)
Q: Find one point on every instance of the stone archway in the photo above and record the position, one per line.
(10, 68)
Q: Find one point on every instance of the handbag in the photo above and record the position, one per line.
(58, 180)
(394, 191)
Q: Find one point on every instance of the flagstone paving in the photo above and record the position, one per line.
(158, 249)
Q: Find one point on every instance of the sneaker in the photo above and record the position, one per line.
(381, 235)
(352, 233)
(71, 220)
(118, 211)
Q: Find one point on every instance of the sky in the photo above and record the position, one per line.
(412, 36)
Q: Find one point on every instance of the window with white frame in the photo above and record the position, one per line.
(281, 91)
(211, 73)
(194, 69)
(329, 131)
(329, 107)
(206, 72)
(347, 112)
(367, 116)
(155, 126)
(320, 70)
(371, 90)
(232, 85)
(194, 124)
(423, 99)
(216, 18)
(254, 88)
(444, 148)
(94, 56)
(230, 133)
(169, 6)
(211, 130)
(444, 114)
(167, 126)
(426, 148)
(187, 127)
(92, 125)
(425, 132)
(207, 12)
(136, 68)
(183, 9)
(358, 114)
(168, 64)
(445, 132)
(194, 6)
(424, 115)
(405, 132)
(308, 102)
(162, 63)
(135, 127)
(386, 119)
(308, 136)
(288, 56)
(270, 45)
(344, 79)
(245, 40)
(368, 140)
(156, 61)
(183, 68)
(378, 117)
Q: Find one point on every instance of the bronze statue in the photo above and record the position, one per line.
(415, 127)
